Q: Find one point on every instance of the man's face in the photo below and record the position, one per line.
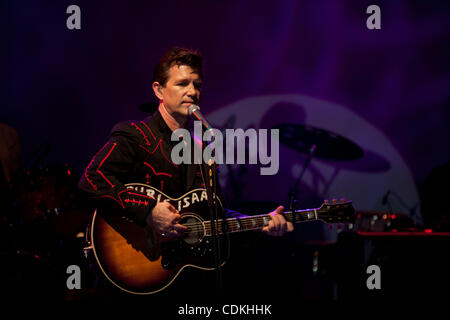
(181, 90)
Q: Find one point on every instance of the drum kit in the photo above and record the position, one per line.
(41, 230)
(329, 146)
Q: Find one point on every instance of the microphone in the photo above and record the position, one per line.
(194, 111)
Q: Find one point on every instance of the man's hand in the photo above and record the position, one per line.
(278, 226)
(164, 220)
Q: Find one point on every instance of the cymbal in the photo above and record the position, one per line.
(329, 145)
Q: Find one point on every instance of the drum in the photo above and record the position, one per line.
(43, 192)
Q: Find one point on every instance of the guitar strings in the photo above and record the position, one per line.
(252, 220)
(247, 223)
(234, 225)
(196, 227)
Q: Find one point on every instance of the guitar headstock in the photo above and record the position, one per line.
(337, 211)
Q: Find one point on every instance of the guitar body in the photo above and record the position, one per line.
(133, 259)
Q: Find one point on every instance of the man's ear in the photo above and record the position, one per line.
(157, 89)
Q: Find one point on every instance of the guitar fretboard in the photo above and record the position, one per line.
(257, 222)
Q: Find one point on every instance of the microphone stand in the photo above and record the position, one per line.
(293, 194)
(211, 190)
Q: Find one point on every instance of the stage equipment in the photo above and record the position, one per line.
(329, 145)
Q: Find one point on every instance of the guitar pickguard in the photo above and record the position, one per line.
(194, 246)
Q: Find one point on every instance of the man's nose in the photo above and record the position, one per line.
(192, 91)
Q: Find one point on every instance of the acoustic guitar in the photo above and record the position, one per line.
(137, 261)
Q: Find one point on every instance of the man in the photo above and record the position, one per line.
(140, 151)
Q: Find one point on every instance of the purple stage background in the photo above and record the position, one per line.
(67, 88)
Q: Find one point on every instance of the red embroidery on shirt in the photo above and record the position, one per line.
(142, 132)
(136, 201)
(154, 138)
(158, 145)
(118, 199)
(141, 195)
(101, 163)
(90, 163)
(158, 173)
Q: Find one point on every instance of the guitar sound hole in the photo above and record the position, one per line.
(196, 229)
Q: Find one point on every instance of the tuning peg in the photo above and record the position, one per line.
(335, 201)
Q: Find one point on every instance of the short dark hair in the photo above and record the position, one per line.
(179, 56)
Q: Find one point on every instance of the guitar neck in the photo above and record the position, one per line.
(327, 212)
(258, 222)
